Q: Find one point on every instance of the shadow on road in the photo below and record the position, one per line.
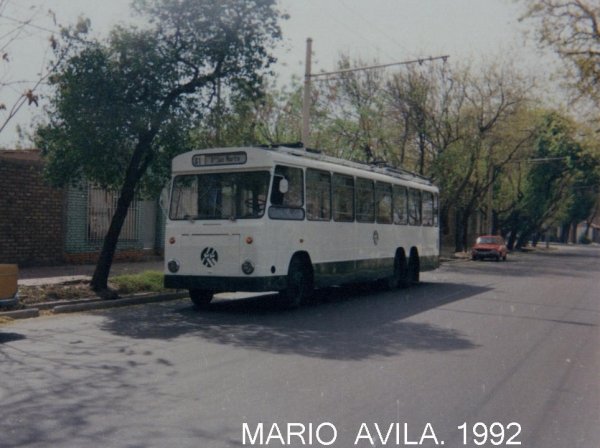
(343, 323)
(10, 337)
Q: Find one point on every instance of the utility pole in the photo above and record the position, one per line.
(308, 76)
(490, 198)
(306, 99)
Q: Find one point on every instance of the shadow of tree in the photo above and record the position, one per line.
(344, 323)
(10, 337)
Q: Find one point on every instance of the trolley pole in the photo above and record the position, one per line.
(306, 99)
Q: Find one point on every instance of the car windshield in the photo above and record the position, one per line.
(488, 240)
(219, 196)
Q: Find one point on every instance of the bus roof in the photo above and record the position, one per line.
(297, 156)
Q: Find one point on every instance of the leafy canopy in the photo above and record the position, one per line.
(125, 106)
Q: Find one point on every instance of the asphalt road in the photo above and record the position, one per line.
(510, 347)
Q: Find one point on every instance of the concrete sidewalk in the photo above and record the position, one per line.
(47, 275)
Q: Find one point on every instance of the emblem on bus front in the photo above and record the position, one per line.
(209, 257)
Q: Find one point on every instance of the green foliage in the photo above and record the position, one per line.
(148, 281)
(571, 29)
(122, 108)
(147, 88)
(558, 182)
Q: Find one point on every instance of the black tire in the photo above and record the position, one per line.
(299, 284)
(414, 269)
(504, 258)
(400, 277)
(201, 298)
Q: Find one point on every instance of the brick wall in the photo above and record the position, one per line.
(31, 212)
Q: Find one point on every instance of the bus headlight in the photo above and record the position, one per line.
(173, 266)
(247, 267)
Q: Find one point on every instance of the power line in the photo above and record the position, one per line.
(419, 61)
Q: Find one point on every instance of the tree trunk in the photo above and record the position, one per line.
(458, 247)
(137, 166)
(100, 278)
(512, 238)
(574, 232)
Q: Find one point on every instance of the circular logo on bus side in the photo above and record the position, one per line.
(209, 257)
(375, 237)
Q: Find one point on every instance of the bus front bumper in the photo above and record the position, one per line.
(225, 284)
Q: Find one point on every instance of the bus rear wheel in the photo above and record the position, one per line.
(201, 298)
(400, 277)
(299, 284)
(413, 269)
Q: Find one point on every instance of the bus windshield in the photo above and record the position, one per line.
(239, 195)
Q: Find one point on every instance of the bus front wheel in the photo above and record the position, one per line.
(200, 298)
(299, 283)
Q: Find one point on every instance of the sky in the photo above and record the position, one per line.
(385, 31)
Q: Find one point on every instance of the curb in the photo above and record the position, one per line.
(21, 314)
(73, 306)
(126, 301)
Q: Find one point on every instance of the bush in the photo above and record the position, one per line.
(149, 281)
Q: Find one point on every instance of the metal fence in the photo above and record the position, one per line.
(102, 205)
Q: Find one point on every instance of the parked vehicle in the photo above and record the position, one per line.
(489, 246)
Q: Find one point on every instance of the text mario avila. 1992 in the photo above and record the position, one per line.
(375, 434)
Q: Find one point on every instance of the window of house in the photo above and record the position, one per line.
(102, 205)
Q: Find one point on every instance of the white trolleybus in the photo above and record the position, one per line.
(291, 220)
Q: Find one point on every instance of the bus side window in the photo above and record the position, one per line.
(427, 208)
(414, 207)
(383, 201)
(365, 200)
(287, 193)
(343, 198)
(318, 195)
(400, 205)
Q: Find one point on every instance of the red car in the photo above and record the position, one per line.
(489, 246)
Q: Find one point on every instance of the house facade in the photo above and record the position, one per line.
(42, 225)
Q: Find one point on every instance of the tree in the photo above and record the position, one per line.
(572, 29)
(122, 108)
(557, 183)
(16, 26)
